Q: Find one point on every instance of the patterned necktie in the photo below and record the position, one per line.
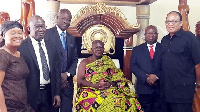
(45, 67)
(63, 39)
(151, 51)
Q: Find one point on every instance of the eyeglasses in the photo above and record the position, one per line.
(197, 26)
(38, 27)
(149, 34)
(173, 22)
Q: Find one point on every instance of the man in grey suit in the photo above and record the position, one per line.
(66, 46)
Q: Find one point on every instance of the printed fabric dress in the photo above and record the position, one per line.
(114, 99)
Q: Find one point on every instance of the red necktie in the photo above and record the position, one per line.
(151, 51)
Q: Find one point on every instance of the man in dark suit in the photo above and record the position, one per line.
(66, 46)
(146, 66)
(181, 53)
(43, 82)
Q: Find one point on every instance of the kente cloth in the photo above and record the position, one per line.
(115, 99)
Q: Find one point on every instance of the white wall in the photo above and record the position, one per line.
(158, 11)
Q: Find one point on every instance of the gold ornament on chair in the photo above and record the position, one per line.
(98, 32)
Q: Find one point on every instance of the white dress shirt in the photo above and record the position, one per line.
(59, 32)
(154, 46)
(37, 53)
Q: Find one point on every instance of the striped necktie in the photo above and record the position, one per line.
(45, 67)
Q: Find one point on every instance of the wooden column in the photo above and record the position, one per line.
(128, 43)
(184, 10)
(52, 8)
(142, 13)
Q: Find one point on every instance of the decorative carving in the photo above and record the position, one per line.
(100, 8)
(4, 16)
(110, 2)
(197, 29)
(184, 10)
(27, 10)
(98, 32)
(109, 17)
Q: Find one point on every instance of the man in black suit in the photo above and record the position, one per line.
(66, 46)
(181, 52)
(145, 64)
(43, 82)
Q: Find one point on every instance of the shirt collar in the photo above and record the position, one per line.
(59, 30)
(154, 45)
(177, 34)
(35, 42)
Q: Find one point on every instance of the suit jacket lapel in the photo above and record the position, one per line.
(157, 50)
(146, 50)
(57, 36)
(32, 51)
(48, 47)
(68, 44)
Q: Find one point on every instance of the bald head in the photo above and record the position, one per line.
(97, 48)
(97, 41)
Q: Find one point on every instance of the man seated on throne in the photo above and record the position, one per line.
(102, 87)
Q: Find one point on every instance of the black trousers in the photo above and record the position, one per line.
(44, 103)
(67, 97)
(176, 107)
(150, 102)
